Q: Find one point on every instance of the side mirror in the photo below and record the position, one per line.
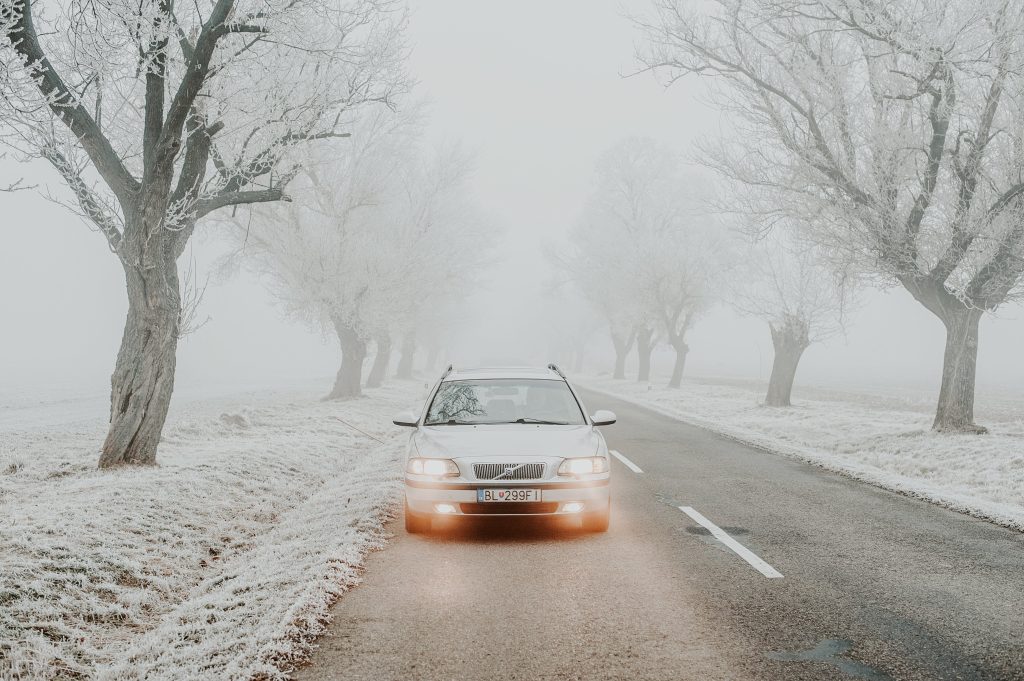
(603, 417)
(406, 418)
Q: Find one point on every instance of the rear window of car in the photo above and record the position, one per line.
(504, 400)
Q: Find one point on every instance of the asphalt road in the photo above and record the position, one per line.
(875, 585)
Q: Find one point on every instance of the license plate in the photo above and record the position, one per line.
(516, 494)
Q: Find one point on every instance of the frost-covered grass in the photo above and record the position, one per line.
(884, 439)
(220, 562)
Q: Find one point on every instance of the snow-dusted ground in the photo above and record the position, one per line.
(882, 438)
(218, 563)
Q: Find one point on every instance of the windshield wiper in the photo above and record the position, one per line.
(532, 421)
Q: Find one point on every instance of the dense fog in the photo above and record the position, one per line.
(535, 92)
(455, 339)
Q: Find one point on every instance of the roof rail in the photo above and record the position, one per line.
(554, 367)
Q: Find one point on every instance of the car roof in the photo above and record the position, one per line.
(476, 373)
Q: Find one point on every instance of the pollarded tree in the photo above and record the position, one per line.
(378, 235)
(381, 361)
(892, 130)
(595, 265)
(441, 248)
(156, 114)
(408, 356)
(644, 253)
(791, 286)
(569, 323)
(685, 265)
(321, 252)
(682, 291)
(437, 245)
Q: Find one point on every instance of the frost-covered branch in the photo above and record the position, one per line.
(643, 252)
(181, 109)
(890, 131)
(21, 32)
(380, 240)
(224, 199)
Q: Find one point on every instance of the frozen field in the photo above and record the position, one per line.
(883, 438)
(218, 563)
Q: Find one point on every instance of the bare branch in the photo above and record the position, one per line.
(65, 105)
(208, 205)
(87, 199)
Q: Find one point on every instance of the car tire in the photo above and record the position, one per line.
(416, 523)
(596, 522)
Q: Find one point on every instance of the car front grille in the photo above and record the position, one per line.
(508, 471)
(513, 508)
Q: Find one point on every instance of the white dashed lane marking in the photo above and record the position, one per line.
(736, 547)
(629, 464)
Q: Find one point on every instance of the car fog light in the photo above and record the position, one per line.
(572, 507)
(444, 508)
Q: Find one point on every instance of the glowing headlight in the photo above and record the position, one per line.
(586, 465)
(441, 468)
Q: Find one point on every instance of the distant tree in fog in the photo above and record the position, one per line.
(437, 326)
(568, 322)
(892, 130)
(682, 279)
(594, 267)
(786, 282)
(376, 240)
(643, 254)
(156, 114)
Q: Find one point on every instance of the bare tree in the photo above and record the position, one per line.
(156, 114)
(593, 263)
(623, 338)
(892, 130)
(372, 241)
(381, 361)
(643, 254)
(685, 266)
(646, 340)
(566, 321)
(406, 361)
(787, 283)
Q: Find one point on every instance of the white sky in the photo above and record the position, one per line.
(534, 88)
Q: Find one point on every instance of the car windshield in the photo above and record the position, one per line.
(504, 400)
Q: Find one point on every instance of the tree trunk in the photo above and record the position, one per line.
(681, 349)
(620, 364)
(644, 347)
(622, 348)
(143, 378)
(955, 410)
(348, 382)
(405, 362)
(381, 361)
(790, 340)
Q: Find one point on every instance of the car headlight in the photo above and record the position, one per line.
(586, 465)
(440, 468)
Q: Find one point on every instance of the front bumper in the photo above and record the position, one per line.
(423, 496)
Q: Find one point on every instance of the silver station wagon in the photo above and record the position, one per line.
(506, 442)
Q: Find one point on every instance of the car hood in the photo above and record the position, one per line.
(482, 442)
